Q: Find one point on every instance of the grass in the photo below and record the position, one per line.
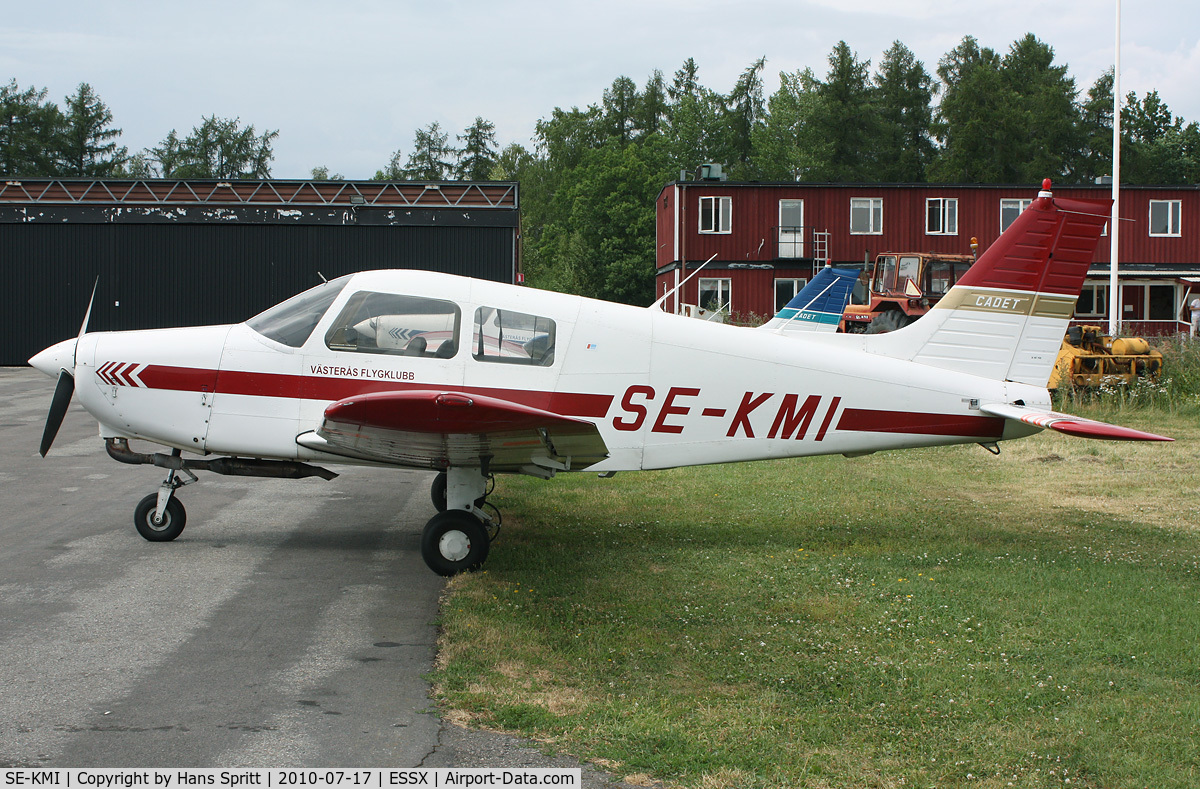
(935, 617)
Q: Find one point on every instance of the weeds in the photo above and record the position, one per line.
(1176, 391)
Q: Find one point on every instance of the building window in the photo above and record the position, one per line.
(786, 290)
(866, 216)
(1010, 209)
(512, 337)
(941, 216)
(714, 294)
(1093, 302)
(1165, 217)
(791, 228)
(716, 214)
(1160, 303)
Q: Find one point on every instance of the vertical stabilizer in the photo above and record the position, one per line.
(1005, 318)
(819, 305)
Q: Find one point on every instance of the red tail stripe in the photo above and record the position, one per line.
(870, 421)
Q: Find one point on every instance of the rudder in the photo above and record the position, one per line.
(1005, 318)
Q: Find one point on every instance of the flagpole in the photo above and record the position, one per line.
(1114, 225)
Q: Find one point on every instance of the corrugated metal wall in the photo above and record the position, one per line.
(159, 275)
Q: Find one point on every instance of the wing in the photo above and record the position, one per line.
(1071, 425)
(436, 429)
(819, 305)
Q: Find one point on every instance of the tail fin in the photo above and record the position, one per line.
(1005, 318)
(819, 305)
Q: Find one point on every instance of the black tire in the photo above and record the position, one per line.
(174, 519)
(454, 542)
(888, 321)
(437, 492)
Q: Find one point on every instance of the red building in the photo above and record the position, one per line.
(765, 240)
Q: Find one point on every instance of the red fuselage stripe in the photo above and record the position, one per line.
(332, 389)
(593, 406)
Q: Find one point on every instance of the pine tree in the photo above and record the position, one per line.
(478, 155)
(88, 143)
(29, 131)
(903, 100)
(431, 156)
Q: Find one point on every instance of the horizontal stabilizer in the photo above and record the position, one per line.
(1069, 424)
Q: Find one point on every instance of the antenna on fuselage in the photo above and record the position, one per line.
(675, 289)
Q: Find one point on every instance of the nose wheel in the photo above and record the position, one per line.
(159, 528)
(160, 517)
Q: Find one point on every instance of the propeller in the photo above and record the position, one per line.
(58, 409)
(65, 387)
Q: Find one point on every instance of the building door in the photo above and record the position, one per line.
(791, 228)
(1133, 300)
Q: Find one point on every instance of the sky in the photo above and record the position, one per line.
(346, 84)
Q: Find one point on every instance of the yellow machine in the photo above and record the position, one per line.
(1089, 357)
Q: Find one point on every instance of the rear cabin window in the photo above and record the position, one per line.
(511, 337)
(394, 324)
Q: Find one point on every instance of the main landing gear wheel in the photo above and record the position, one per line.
(454, 541)
(173, 519)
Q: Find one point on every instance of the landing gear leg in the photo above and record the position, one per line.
(458, 538)
(160, 517)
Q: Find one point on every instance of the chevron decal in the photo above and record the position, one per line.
(121, 373)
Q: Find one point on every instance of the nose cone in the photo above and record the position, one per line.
(57, 357)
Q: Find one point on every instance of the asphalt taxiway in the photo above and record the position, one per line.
(291, 624)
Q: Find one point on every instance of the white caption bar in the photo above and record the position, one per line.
(374, 777)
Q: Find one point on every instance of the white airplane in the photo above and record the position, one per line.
(421, 370)
(819, 304)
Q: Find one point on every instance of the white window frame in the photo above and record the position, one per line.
(1170, 314)
(719, 210)
(1174, 210)
(874, 208)
(1019, 203)
(792, 239)
(724, 288)
(797, 283)
(947, 215)
(1099, 301)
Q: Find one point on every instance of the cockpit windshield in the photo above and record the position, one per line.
(292, 321)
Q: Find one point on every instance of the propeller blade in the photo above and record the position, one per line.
(86, 317)
(58, 409)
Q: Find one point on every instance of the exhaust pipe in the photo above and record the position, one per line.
(118, 449)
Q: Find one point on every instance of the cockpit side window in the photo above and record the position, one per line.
(512, 337)
(390, 323)
(292, 321)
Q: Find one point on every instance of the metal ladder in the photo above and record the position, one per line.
(820, 249)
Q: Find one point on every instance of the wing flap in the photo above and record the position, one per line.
(1069, 424)
(436, 429)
